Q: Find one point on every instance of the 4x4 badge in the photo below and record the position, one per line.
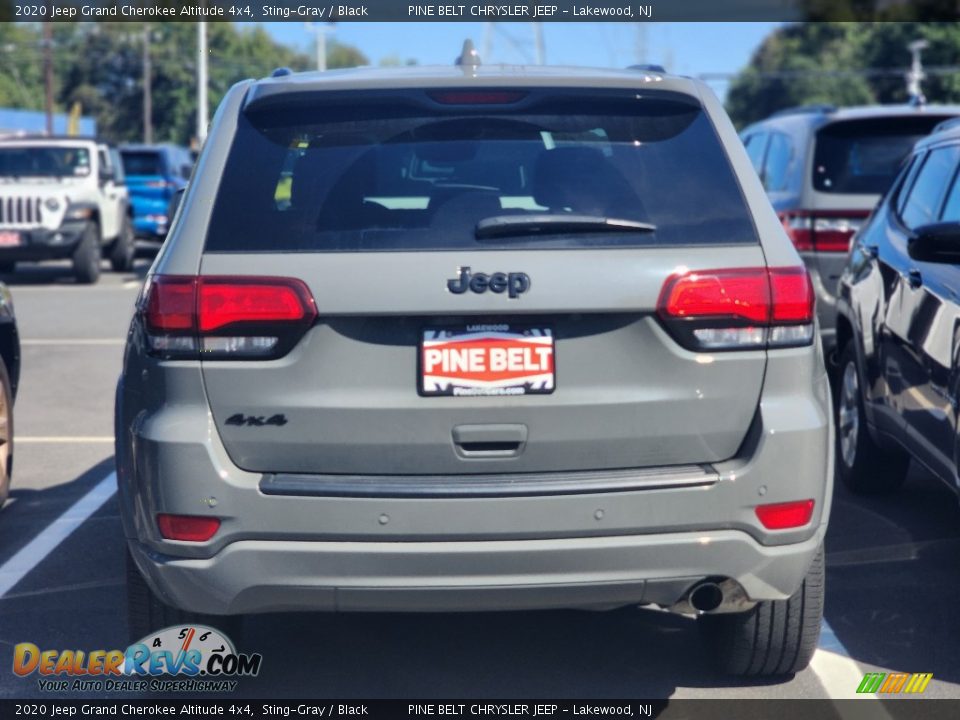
(514, 284)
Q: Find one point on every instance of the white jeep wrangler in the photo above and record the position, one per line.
(64, 198)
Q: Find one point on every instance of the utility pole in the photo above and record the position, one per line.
(201, 81)
(321, 48)
(640, 44)
(320, 42)
(916, 74)
(48, 71)
(147, 88)
(540, 47)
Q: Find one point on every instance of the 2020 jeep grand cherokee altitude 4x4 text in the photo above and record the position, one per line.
(470, 339)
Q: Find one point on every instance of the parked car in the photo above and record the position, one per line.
(512, 338)
(824, 168)
(9, 380)
(154, 174)
(64, 197)
(898, 327)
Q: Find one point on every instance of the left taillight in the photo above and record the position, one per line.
(739, 309)
(225, 317)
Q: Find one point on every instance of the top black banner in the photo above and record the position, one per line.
(324, 11)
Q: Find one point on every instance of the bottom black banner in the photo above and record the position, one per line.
(865, 709)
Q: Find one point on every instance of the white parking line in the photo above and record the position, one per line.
(33, 553)
(73, 341)
(32, 439)
(840, 676)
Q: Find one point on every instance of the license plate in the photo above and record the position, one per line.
(487, 360)
(9, 239)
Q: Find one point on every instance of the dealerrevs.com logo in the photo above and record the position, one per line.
(180, 658)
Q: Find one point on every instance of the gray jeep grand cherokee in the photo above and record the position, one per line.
(470, 338)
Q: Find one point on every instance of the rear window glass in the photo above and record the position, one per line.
(43, 161)
(402, 174)
(142, 163)
(863, 156)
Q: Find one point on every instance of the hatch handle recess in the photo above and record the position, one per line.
(489, 441)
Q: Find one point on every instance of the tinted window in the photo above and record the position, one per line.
(951, 208)
(142, 163)
(904, 192)
(923, 202)
(399, 174)
(44, 161)
(756, 145)
(777, 166)
(863, 156)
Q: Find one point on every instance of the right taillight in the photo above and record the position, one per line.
(739, 309)
(225, 318)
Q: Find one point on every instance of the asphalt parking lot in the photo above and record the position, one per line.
(892, 582)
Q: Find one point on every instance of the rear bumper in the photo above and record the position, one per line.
(271, 576)
(617, 538)
(150, 219)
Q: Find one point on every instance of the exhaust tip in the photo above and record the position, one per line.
(706, 597)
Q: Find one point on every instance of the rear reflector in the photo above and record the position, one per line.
(226, 317)
(783, 516)
(739, 309)
(822, 231)
(189, 528)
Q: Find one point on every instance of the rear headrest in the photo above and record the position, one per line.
(459, 214)
(576, 177)
(305, 180)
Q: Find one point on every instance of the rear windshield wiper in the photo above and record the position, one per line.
(502, 226)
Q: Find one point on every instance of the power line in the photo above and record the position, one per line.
(803, 74)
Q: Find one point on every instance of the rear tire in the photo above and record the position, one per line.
(776, 637)
(863, 466)
(123, 249)
(86, 258)
(146, 613)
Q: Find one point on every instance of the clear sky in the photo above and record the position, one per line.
(684, 48)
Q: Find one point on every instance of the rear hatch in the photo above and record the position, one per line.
(473, 285)
(146, 176)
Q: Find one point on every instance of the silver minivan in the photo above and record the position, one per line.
(470, 338)
(824, 169)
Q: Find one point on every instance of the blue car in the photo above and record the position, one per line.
(154, 173)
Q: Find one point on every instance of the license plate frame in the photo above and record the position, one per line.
(508, 360)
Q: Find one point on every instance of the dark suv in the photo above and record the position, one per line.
(824, 169)
(467, 338)
(898, 326)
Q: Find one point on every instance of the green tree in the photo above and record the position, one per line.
(843, 64)
(21, 82)
(788, 69)
(100, 65)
